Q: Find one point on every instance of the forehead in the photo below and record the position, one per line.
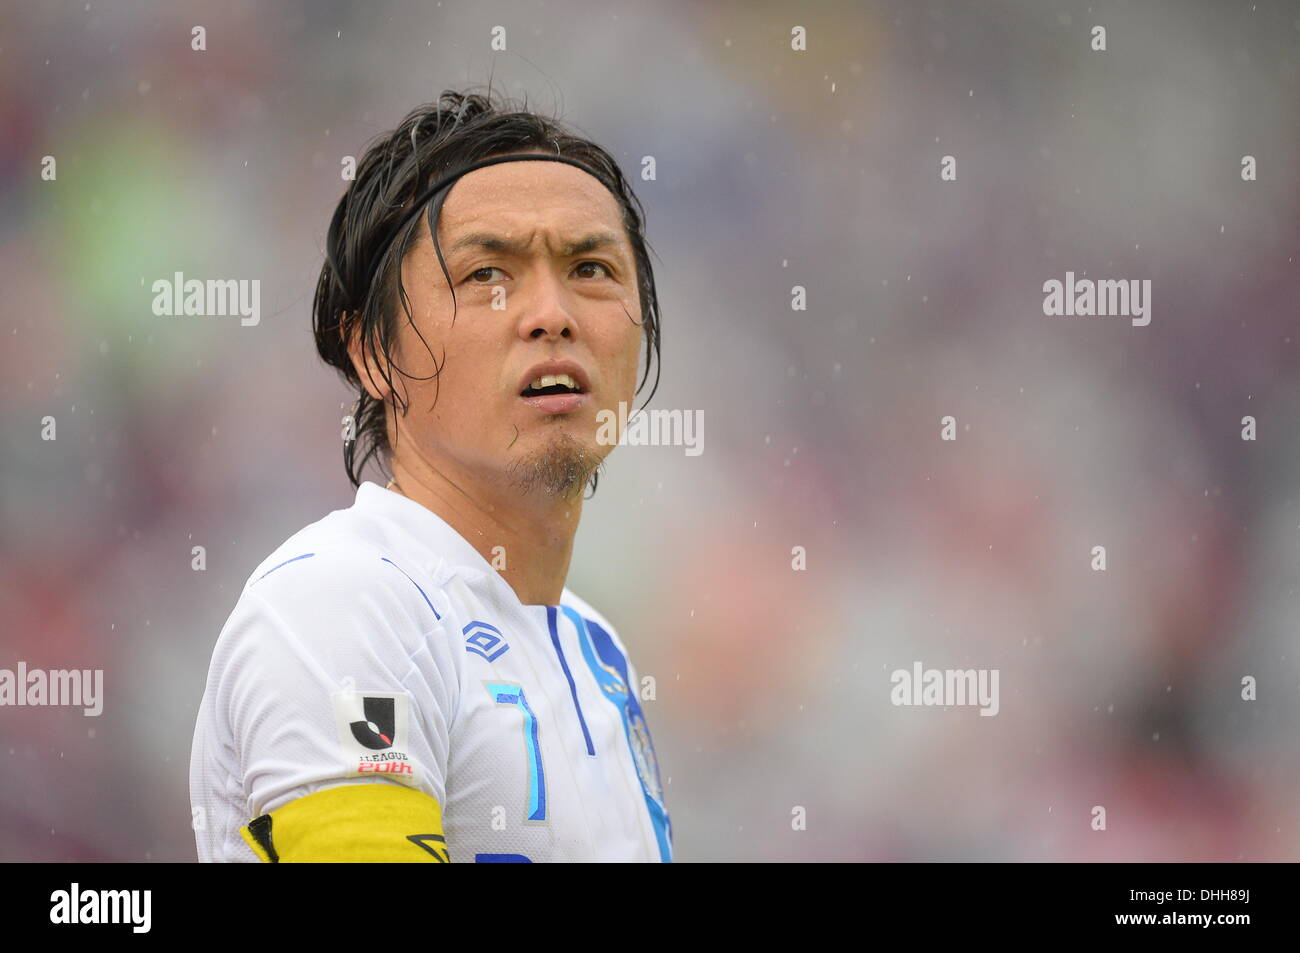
(529, 194)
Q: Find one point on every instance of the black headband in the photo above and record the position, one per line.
(434, 189)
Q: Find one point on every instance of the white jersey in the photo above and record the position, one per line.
(377, 646)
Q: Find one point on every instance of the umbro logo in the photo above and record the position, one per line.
(484, 640)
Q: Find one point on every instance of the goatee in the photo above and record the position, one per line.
(561, 468)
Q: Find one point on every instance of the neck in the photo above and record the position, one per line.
(528, 538)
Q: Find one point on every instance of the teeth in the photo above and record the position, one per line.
(552, 379)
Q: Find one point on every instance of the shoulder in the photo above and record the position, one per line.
(351, 551)
(334, 593)
(345, 577)
(338, 560)
(311, 619)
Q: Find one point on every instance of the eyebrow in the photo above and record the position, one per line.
(496, 243)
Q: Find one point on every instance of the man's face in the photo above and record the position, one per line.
(544, 242)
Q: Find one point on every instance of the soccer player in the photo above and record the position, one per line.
(409, 678)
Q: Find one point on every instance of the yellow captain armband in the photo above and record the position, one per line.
(376, 821)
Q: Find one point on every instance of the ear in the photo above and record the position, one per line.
(363, 363)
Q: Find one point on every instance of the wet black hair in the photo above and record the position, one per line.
(401, 172)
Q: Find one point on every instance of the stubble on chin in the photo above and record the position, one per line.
(561, 468)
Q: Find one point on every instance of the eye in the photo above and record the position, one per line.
(487, 268)
(598, 264)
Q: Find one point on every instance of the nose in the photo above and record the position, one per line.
(547, 313)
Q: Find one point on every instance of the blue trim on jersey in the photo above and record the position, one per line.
(505, 693)
(415, 584)
(501, 859)
(610, 671)
(285, 563)
(573, 688)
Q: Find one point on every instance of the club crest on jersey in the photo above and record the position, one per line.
(484, 640)
(372, 729)
(643, 753)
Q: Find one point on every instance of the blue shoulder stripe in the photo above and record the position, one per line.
(415, 584)
(285, 563)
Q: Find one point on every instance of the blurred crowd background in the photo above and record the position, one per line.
(775, 168)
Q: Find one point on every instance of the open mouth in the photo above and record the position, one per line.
(552, 385)
(554, 394)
